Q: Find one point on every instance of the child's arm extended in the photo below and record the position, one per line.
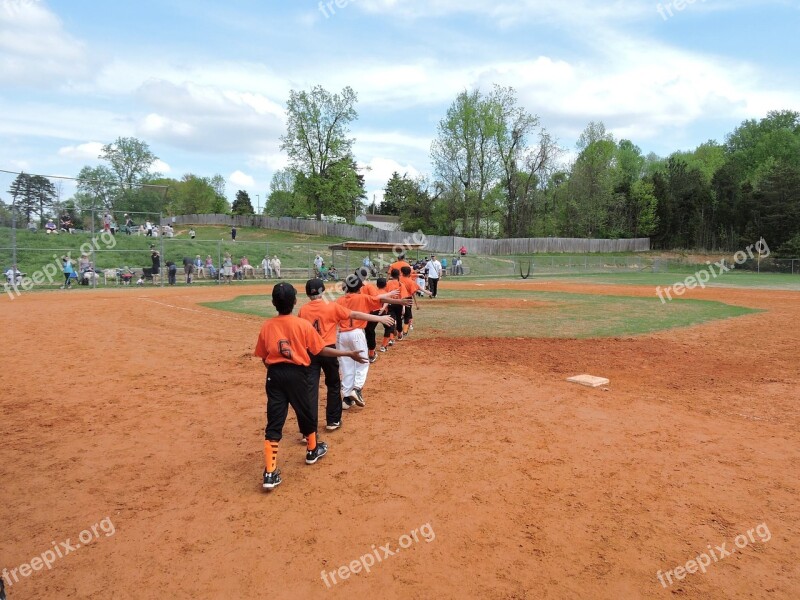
(382, 319)
(391, 298)
(354, 354)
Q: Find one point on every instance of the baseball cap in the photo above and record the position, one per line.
(283, 291)
(315, 287)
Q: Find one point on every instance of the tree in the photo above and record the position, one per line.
(339, 189)
(242, 204)
(99, 188)
(465, 157)
(32, 194)
(394, 195)
(318, 145)
(525, 168)
(591, 183)
(130, 159)
(283, 199)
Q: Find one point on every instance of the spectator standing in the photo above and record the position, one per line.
(444, 266)
(107, 222)
(233, 233)
(172, 272)
(265, 264)
(155, 259)
(434, 268)
(459, 270)
(188, 268)
(192, 234)
(68, 270)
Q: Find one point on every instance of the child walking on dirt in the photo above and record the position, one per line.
(285, 345)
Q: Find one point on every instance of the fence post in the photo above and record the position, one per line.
(219, 261)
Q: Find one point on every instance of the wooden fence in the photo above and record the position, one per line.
(435, 243)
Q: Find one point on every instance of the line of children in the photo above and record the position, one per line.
(324, 317)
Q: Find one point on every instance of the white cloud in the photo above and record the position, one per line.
(35, 49)
(209, 118)
(159, 166)
(87, 151)
(240, 179)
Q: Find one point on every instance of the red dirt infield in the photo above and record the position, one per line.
(146, 409)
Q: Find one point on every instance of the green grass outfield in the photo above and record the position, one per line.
(733, 279)
(516, 313)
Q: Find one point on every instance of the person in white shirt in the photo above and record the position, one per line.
(317, 265)
(276, 266)
(434, 268)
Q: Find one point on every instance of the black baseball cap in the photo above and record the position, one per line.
(283, 292)
(315, 287)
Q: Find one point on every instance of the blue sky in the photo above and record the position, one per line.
(205, 83)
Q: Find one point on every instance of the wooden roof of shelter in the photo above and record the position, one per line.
(374, 246)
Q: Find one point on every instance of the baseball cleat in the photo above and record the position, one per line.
(271, 480)
(314, 455)
(333, 426)
(359, 398)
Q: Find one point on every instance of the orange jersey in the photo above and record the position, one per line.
(360, 303)
(399, 264)
(394, 284)
(410, 284)
(288, 339)
(324, 316)
(370, 289)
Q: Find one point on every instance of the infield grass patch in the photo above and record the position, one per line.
(512, 313)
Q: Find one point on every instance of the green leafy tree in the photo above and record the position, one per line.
(318, 145)
(283, 199)
(592, 184)
(340, 185)
(242, 204)
(465, 156)
(130, 158)
(32, 195)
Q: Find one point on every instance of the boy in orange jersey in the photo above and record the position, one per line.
(412, 287)
(285, 345)
(393, 284)
(370, 289)
(325, 316)
(351, 335)
(398, 264)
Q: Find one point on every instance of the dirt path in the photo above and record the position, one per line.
(142, 408)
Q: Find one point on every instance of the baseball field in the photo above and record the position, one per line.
(132, 436)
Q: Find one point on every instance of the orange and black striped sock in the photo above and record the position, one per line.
(385, 342)
(405, 329)
(372, 353)
(311, 441)
(270, 455)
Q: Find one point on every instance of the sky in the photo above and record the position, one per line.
(205, 83)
